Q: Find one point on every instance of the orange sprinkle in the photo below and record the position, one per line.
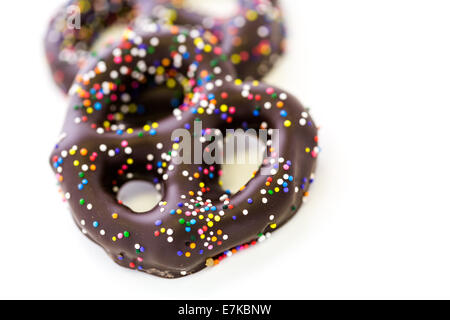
(165, 62)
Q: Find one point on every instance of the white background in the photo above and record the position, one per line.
(377, 225)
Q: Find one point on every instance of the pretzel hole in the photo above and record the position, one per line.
(139, 195)
(213, 8)
(237, 174)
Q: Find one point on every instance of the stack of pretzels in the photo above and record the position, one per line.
(172, 69)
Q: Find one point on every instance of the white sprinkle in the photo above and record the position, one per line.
(154, 41)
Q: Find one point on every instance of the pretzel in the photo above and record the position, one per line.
(253, 39)
(109, 139)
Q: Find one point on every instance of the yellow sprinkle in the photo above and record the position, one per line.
(273, 226)
(210, 216)
(160, 70)
(209, 262)
(155, 125)
(217, 218)
(251, 15)
(287, 123)
(115, 216)
(175, 146)
(76, 163)
(200, 110)
(308, 150)
(210, 224)
(130, 161)
(129, 131)
(224, 108)
(208, 48)
(89, 110)
(277, 189)
(146, 127)
(133, 108)
(238, 82)
(171, 83)
(235, 58)
(214, 239)
(114, 239)
(163, 230)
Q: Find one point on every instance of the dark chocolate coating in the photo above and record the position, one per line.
(197, 221)
(67, 49)
(253, 39)
(256, 33)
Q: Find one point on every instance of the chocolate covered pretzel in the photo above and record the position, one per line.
(120, 127)
(252, 39)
